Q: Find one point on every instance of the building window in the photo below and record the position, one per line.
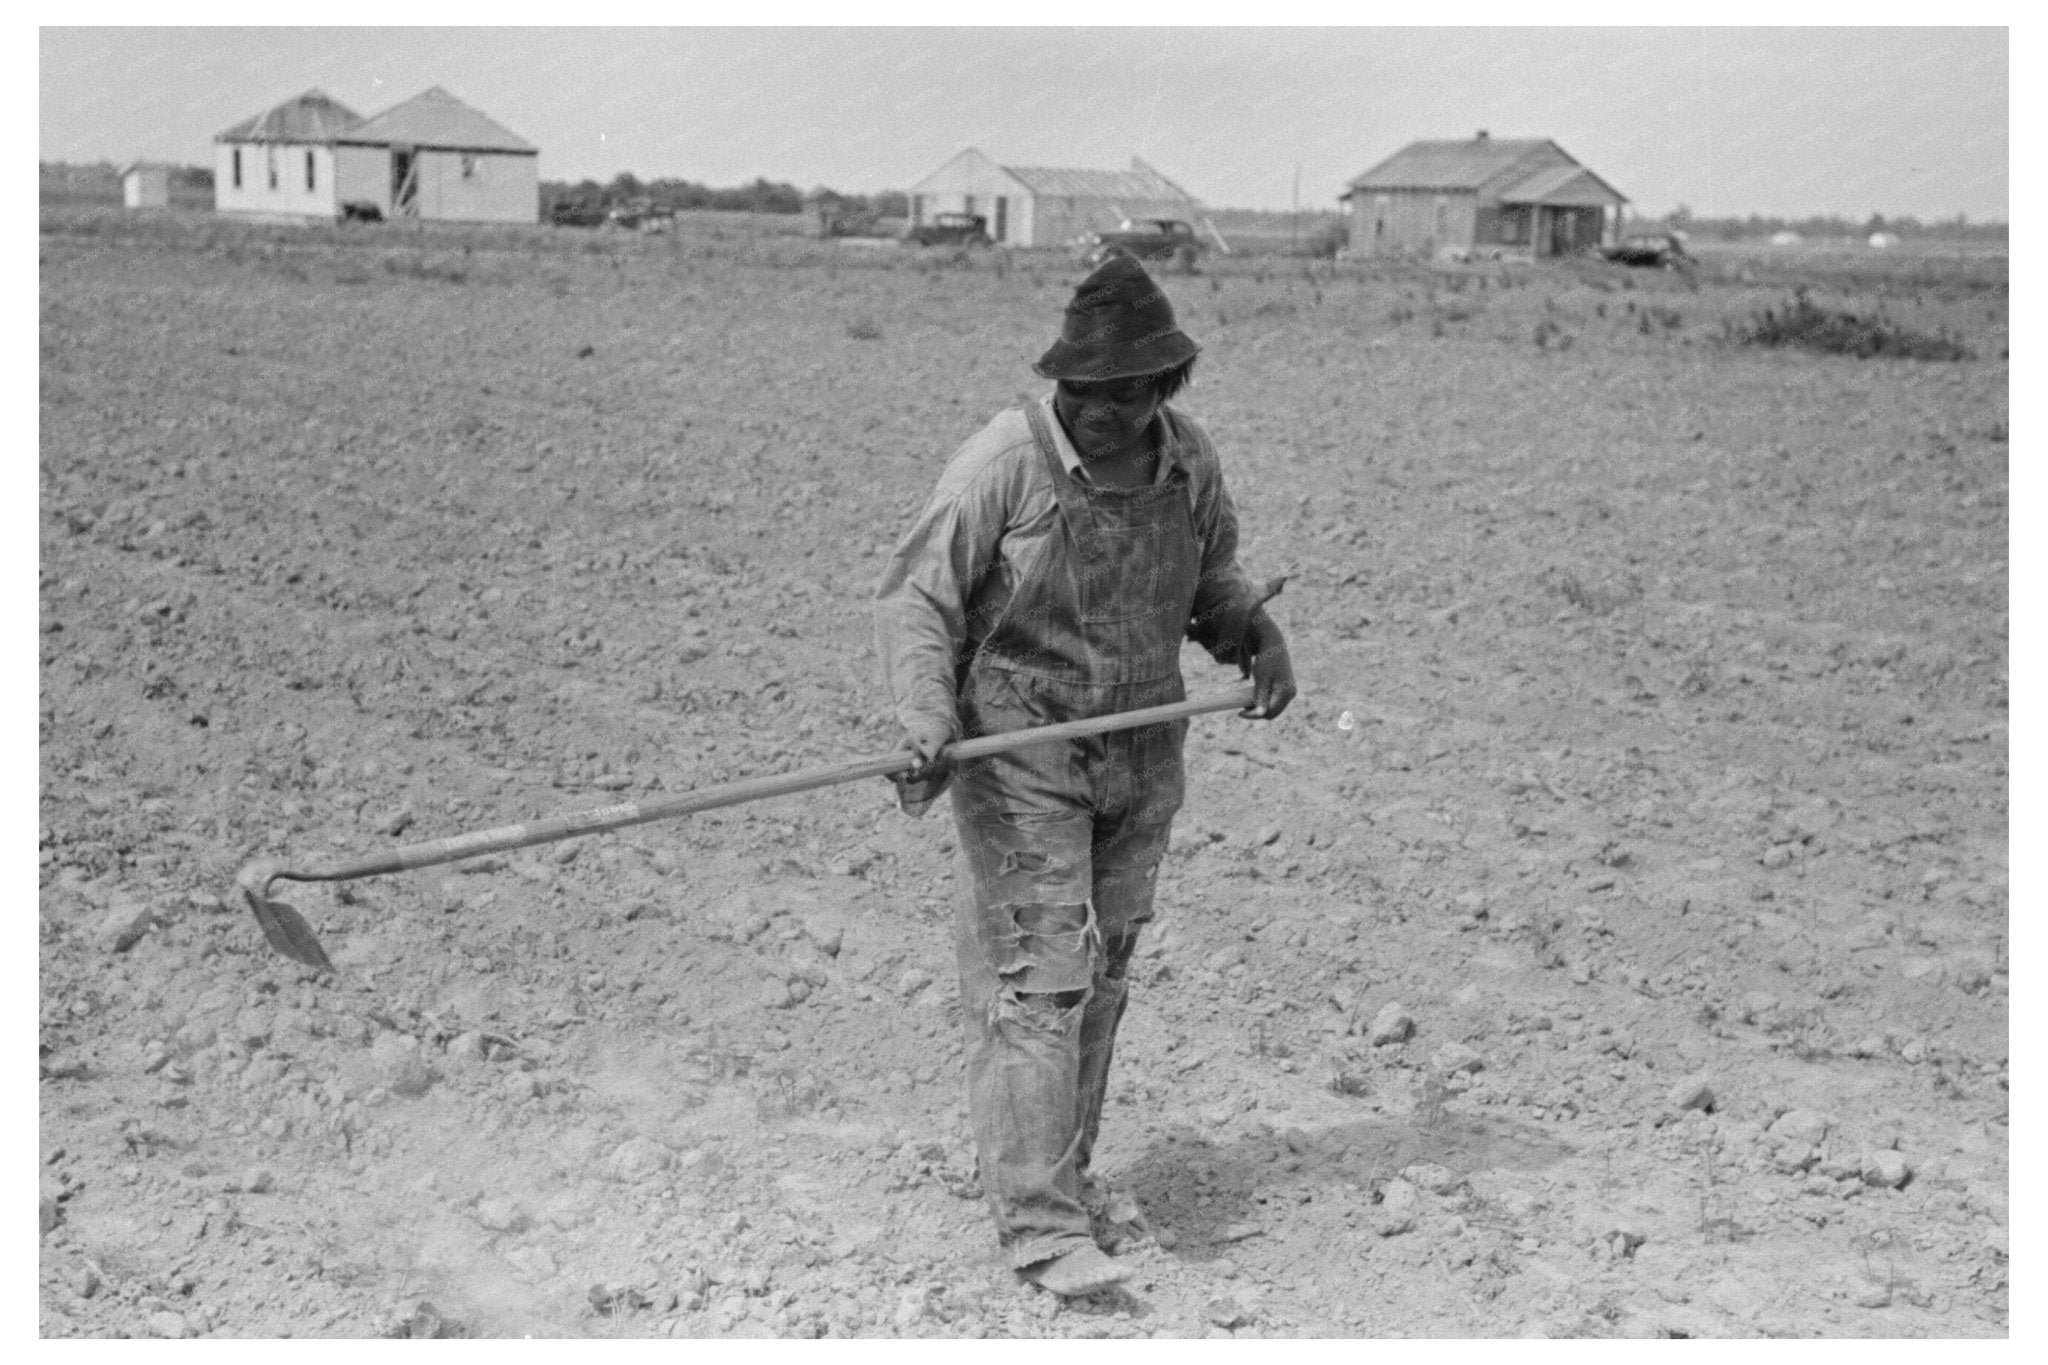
(270, 164)
(469, 165)
(309, 169)
(238, 168)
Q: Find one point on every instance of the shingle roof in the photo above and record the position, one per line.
(1563, 186)
(1464, 164)
(435, 118)
(312, 117)
(1139, 182)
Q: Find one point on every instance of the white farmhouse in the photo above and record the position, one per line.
(280, 164)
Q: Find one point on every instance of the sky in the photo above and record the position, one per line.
(1782, 121)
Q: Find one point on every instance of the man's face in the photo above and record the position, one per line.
(1106, 416)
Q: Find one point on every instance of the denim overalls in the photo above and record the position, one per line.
(1060, 844)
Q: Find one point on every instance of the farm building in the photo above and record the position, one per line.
(146, 185)
(431, 157)
(435, 157)
(1046, 206)
(1514, 196)
(281, 163)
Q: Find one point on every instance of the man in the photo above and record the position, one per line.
(1067, 551)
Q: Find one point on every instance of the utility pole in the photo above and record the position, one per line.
(1294, 227)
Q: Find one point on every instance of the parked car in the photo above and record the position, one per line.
(1148, 239)
(951, 229)
(362, 211)
(576, 215)
(1655, 253)
(642, 214)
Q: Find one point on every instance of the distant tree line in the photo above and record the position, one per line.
(1733, 229)
(626, 190)
(62, 172)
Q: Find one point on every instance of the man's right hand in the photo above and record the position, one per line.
(922, 785)
(928, 740)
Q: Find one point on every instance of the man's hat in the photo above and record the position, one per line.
(1118, 325)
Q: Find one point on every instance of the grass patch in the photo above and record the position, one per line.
(1807, 325)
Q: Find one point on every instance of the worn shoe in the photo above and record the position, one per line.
(1084, 1270)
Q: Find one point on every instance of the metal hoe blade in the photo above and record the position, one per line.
(284, 928)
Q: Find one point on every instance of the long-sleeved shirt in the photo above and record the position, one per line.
(991, 519)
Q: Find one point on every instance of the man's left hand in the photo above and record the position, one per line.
(1269, 668)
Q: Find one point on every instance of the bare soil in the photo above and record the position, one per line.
(1650, 759)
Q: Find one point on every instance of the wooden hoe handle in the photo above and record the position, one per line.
(295, 939)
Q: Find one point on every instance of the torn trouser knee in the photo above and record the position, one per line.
(1045, 951)
(1104, 1010)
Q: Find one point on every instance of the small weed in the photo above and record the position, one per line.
(864, 329)
(1264, 1044)
(421, 269)
(782, 1095)
(1655, 316)
(1435, 1094)
(1592, 601)
(1714, 1224)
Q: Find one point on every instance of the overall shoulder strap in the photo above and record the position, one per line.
(1188, 440)
(1073, 502)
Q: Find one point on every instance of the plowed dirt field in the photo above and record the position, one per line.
(1611, 940)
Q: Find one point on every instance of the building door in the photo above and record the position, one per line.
(1566, 239)
(405, 183)
(1000, 230)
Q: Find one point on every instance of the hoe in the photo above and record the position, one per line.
(287, 931)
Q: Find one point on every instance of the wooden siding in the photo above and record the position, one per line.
(1412, 222)
(290, 196)
(478, 187)
(362, 175)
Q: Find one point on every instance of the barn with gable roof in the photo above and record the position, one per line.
(1046, 205)
(1485, 195)
(434, 157)
(431, 157)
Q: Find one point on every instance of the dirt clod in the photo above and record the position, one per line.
(1886, 1169)
(1391, 1024)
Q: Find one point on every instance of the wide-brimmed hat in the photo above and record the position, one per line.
(1119, 324)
